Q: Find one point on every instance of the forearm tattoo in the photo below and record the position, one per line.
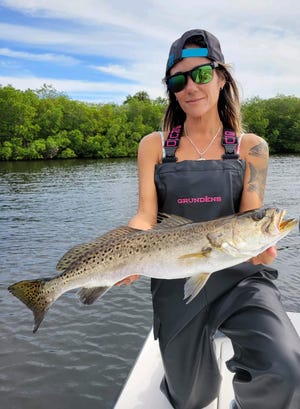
(260, 150)
(257, 180)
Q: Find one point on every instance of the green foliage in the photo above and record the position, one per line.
(277, 120)
(6, 151)
(46, 124)
(67, 154)
(17, 115)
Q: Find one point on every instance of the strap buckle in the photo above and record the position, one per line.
(171, 144)
(230, 143)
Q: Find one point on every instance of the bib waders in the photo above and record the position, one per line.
(242, 302)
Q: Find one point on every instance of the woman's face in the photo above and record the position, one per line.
(197, 100)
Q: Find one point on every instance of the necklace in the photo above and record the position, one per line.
(201, 154)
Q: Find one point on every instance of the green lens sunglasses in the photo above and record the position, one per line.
(202, 74)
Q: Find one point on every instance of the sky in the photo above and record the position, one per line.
(102, 51)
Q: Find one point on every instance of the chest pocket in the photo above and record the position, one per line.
(200, 190)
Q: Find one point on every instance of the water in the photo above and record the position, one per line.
(81, 355)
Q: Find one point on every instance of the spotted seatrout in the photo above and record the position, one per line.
(175, 248)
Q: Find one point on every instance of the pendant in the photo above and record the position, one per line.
(201, 158)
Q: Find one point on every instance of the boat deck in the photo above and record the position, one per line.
(141, 390)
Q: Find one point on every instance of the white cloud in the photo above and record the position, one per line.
(83, 87)
(47, 57)
(119, 16)
(113, 69)
(130, 40)
(161, 19)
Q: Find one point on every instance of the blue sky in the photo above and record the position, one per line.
(104, 50)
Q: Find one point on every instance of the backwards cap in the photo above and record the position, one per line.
(178, 52)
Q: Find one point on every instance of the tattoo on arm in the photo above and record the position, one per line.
(260, 150)
(257, 181)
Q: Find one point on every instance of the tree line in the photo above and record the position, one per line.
(46, 124)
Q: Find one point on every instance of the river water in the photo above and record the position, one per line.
(81, 355)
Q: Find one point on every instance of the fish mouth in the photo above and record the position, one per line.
(285, 225)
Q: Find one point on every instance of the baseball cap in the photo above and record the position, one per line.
(178, 52)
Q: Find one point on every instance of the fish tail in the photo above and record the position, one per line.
(36, 295)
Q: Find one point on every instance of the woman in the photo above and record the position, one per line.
(203, 167)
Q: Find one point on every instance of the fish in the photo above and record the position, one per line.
(173, 248)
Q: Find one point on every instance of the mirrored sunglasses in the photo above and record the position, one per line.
(202, 74)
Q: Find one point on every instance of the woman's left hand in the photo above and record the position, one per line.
(266, 257)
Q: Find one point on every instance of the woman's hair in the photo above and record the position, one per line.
(228, 103)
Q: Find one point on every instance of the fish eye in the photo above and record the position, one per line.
(259, 215)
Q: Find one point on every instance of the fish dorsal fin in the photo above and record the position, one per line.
(167, 221)
(77, 251)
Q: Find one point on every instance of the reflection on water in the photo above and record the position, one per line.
(81, 355)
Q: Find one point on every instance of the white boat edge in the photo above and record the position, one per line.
(142, 388)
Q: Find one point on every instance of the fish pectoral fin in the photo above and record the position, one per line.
(196, 256)
(89, 295)
(230, 249)
(194, 285)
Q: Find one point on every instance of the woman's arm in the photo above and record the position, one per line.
(256, 153)
(149, 154)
